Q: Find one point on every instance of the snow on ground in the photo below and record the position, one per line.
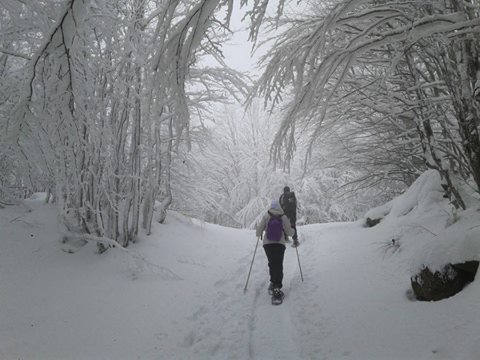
(178, 294)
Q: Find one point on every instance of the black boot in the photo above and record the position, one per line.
(277, 296)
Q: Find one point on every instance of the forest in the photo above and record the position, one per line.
(120, 110)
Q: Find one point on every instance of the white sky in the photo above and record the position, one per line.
(238, 51)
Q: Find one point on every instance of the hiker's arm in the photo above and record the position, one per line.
(287, 228)
(261, 227)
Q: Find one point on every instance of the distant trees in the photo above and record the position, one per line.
(231, 179)
(228, 177)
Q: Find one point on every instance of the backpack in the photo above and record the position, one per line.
(274, 228)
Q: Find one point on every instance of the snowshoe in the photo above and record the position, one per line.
(277, 296)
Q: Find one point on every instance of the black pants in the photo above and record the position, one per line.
(293, 220)
(275, 254)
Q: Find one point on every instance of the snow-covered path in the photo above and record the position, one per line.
(316, 317)
(352, 304)
(272, 333)
(244, 324)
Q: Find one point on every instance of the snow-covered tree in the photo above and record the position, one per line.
(409, 69)
(106, 93)
(230, 180)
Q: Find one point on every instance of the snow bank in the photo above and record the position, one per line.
(424, 193)
(428, 228)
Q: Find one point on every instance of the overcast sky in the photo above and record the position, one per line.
(238, 50)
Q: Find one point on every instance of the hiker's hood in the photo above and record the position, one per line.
(276, 211)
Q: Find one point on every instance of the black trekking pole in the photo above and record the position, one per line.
(246, 284)
(299, 266)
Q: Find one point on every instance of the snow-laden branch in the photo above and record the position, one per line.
(314, 57)
(60, 36)
(180, 47)
(14, 53)
(258, 14)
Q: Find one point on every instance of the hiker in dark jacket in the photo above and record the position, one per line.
(288, 202)
(275, 248)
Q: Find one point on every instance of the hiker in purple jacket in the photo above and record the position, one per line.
(277, 228)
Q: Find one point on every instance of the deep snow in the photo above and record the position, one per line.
(178, 294)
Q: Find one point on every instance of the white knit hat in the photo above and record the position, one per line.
(275, 204)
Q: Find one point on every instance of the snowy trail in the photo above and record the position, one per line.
(272, 329)
(238, 324)
(352, 304)
(340, 294)
(272, 336)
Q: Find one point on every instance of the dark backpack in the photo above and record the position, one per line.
(288, 202)
(274, 228)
